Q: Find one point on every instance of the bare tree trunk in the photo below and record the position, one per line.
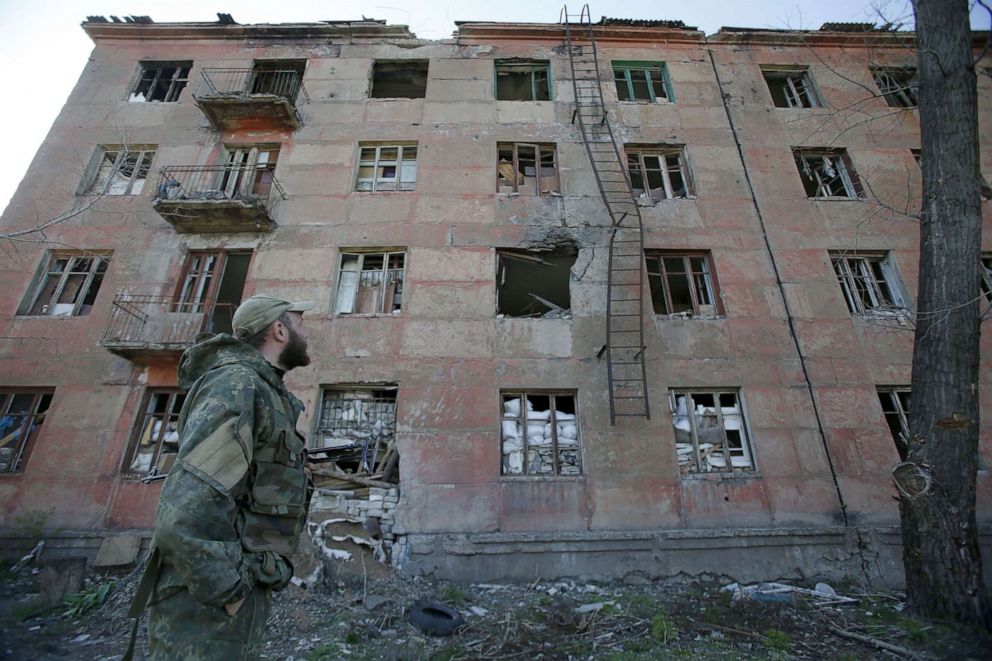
(937, 480)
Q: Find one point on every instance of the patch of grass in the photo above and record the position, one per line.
(324, 653)
(454, 596)
(352, 637)
(27, 610)
(663, 629)
(641, 605)
(87, 599)
(917, 632)
(776, 640)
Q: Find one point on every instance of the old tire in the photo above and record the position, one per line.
(434, 618)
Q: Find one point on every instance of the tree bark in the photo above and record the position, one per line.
(936, 482)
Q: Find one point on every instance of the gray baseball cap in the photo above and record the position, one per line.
(256, 313)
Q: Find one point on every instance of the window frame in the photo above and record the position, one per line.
(383, 67)
(538, 176)
(870, 279)
(696, 457)
(145, 418)
(839, 161)
(985, 273)
(900, 409)
(179, 77)
(28, 428)
(523, 421)
(379, 397)
(793, 96)
(46, 271)
(532, 66)
(399, 165)
(899, 92)
(662, 153)
(625, 67)
(90, 184)
(709, 280)
(386, 273)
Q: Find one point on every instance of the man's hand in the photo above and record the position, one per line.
(233, 607)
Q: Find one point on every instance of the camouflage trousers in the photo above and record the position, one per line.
(179, 627)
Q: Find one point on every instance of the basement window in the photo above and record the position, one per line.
(642, 81)
(898, 85)
(986, 274)
(404, 79)
(658, 173)
(827, 173)
(117, 170)
(710, 431)
(387, 167)
(527, 169)
(682, 284)
(370, 283)
(791, 87)
(895, 406)
(523, 80)
(66, 284)
(540, 434)
(869, 282)
(21, 416)
(160, 81)
(155, 439)
(534, 284)
(356, 426)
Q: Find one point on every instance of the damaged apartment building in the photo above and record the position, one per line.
(592, 300)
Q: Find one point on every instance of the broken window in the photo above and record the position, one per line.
(529, 169)
(384, 167)
(791, 88)
(21, 415)
(710, 431)
(895, 406)
(212, 284)
(918, 157)
(642, 81)
(658, 173)
(898, 85)
(681, 284)
(160, 81)
(155, 439)
(67, 284)
(277, 77)
(534, 284)
(523, 80)
(986, 275)
(404, 79)
(827, 173)
(540, 434)
(869, 282)
(370, 283)
(248, 171)
(356, 427)
(118, 170)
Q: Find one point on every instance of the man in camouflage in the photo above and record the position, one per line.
(236, 499)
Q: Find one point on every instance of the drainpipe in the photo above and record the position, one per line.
(781, 289)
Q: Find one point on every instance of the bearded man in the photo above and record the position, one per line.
(236, 499)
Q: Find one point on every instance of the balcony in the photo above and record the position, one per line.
(251, 98)
(222, 198)
(143, 327)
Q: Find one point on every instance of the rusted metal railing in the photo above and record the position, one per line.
(252, 82)
(140, 321)
(251, 184)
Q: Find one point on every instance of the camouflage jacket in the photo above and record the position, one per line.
(237, 489)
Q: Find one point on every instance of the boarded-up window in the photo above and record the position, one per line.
(356, 426)
(710, 431)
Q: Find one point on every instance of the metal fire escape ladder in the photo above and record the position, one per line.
(625, 347)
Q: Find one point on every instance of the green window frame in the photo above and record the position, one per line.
(505, 88)
(643, 82)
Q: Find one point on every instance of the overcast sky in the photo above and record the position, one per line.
(43, 49)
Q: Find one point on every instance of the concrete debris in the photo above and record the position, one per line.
(822, 594)
(595, 607)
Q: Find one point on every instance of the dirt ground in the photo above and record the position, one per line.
(364, 617)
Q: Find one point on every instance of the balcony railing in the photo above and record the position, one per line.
(218, 198)
(242, 98)
(141, 324)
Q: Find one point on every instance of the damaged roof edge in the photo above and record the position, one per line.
(368, 29)
(612, 31)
